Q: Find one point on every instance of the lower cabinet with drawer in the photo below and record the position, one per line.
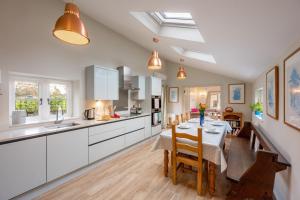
(66, 152)
(22, 166)
(102, 149)
(134, 137)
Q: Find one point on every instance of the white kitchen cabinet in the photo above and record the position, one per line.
(134, 137)
(139, 82)
(156, 129)
(112, 84)
(155, 86)
(147, 126)
(22, 166)
(66, 152)
(105, 148)
(102, 83)
(135, 124)
(106, 131)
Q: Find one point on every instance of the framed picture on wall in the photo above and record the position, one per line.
(292, 90)
(272, 84)
(173, 94)
(236, 93)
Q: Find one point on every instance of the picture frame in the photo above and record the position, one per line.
(272, 92)
(173, 94)
(291, 90)
(236, 93)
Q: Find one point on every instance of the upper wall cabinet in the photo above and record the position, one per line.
(102, 83)
(140, 83)
(155, 86)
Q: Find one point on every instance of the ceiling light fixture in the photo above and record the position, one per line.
(181, 74)
(154, 62)
(69, 27)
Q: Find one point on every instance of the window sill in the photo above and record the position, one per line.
(38, 123)
(259, 116)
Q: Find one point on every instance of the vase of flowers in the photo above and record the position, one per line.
(202, 107)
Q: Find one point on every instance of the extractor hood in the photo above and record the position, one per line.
(125, 79)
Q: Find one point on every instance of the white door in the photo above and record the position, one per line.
(100, 84)
(66, 152)
(22, 166)
(113, 85)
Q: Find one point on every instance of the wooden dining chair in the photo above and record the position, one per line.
(177, 120)
(186, 159)
(183, 118)
(187, 116)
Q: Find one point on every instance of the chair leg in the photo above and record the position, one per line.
(199, 180)
(174, 166)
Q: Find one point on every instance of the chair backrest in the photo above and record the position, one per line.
(187, 147)
(177, 120)
(183, 118)
(187, 116)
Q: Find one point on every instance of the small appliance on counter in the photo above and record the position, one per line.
(136, 110)
(89, 114)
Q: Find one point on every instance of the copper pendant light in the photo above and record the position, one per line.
(69, 27)
(154, 62)
(181, 74)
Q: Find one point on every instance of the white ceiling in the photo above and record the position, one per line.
(244, 36)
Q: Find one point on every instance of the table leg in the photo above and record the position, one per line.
(211, 177)
(166, 162)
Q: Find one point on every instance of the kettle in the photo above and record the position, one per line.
(89, 114)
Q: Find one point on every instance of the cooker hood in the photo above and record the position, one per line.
(125, 79)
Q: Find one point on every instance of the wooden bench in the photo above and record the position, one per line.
(253, 173)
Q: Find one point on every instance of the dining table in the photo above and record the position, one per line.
(213, 139)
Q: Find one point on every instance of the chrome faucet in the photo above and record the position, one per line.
(59, 117)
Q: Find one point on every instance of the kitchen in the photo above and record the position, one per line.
(86, 117)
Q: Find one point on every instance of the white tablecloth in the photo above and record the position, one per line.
(212, 142)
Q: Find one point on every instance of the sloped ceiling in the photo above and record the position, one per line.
(244, 36)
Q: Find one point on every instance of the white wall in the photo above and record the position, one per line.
(197, 77)
(27, 46)
(286, 139)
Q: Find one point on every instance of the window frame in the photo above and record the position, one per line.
(43, 93)
(259, 99)
(160, 18)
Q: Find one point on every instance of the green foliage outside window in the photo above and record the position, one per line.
(30, 105)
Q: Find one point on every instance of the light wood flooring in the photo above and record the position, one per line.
(136, 174)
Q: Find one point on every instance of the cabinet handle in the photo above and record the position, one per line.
(41, 101)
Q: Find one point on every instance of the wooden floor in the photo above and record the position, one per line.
(136, 174)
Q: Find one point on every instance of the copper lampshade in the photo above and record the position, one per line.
(70, 28)
(181, 74)
(154, 62)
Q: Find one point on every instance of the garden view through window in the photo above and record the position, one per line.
(40, 98)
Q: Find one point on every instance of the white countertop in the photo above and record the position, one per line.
(17, 134)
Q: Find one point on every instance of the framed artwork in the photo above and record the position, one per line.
(173, 94)
(272, 84)
(236, 93)
(292, 90)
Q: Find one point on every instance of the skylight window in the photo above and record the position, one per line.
(177, 25)
(174, 19)
(173, 15)
(195, 55)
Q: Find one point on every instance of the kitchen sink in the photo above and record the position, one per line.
(65, 125)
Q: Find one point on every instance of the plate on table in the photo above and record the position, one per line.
(184, 126)
(211, 130)
(216, 123)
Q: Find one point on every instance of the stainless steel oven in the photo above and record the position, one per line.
(156, 118)
(156, 102)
